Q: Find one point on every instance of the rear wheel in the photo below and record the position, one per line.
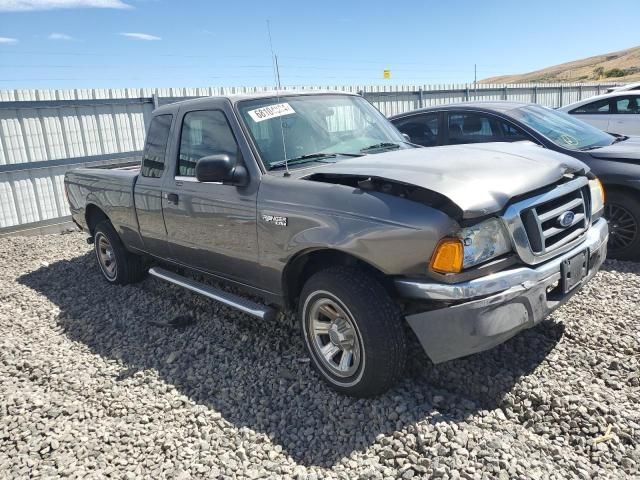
(622, 211)
(116, 263)
(353, 331)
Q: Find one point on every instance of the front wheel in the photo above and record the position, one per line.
(622, 211)
(353, 331)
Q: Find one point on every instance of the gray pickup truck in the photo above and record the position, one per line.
(315, 203)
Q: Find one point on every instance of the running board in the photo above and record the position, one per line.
(240, 303)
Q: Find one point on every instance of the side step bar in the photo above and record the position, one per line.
(244, 305)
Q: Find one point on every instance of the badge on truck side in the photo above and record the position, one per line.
(275, 219)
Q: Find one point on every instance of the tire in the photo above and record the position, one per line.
(346, 311)
(116, 264)
(622, 210)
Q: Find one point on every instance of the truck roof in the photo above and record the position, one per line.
(205, 102)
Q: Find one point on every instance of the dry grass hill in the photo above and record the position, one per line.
(622, 66)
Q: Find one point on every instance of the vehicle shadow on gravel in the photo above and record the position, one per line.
(256, 374)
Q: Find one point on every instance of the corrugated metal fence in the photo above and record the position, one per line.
(43, 133)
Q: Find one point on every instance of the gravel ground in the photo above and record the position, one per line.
(90, 385)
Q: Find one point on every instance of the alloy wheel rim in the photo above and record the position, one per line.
(106, 257)
(334, 338)
(623, 228)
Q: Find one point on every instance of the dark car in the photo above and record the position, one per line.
(615, 159)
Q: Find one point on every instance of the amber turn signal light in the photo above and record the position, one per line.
(601, 187)
(448, 256)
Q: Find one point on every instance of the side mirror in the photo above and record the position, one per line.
(407, 137)
(221, 168)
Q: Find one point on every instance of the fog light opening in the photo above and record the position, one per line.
(553, 286)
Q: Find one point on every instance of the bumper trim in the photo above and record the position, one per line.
(498, 282)
(478, 324)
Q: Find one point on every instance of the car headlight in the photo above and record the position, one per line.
(484, 241)
(471, 246)
(597, 198)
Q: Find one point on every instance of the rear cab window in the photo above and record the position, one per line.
(153, 157)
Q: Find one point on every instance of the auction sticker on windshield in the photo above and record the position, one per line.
(271, 111)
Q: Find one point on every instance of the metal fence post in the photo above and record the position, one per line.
(561, 95)
(535, 94)
(505, 93)
(154, 100)
(420, 97)
(579, 92)
(598, 90)
(466, 93)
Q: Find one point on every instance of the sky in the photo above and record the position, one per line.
(195, 43)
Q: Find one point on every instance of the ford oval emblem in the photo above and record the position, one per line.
(566, 219)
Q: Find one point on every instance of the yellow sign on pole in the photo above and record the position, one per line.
(386, 74)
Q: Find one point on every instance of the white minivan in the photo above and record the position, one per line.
(616, 112)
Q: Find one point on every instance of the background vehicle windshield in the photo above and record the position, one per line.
(561, 128)
(292, 126)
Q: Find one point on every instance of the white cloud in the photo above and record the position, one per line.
(29, 5)
(6, 40)
(59, 36)
(141, 36)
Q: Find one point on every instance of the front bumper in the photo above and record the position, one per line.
(497, 306)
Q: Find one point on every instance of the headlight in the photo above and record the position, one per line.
(484, 241)
(597, 197)
(472, 246)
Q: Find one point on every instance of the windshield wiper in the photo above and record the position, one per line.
(380, 146)
(311, 157)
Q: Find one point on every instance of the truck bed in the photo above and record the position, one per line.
(111, 190)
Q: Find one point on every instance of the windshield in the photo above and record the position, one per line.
(561, 128)
(306, 128)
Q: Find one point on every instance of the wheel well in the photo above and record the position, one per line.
(304, 265)
(614, 187)
(94, 215)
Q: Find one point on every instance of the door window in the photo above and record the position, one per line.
(422, 129)
(600, 106)
(153, 157)
(472, 128)
(513, 133)
(626, 105)
(204, 133)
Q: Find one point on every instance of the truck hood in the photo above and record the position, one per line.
(480, 179)
(627, 150)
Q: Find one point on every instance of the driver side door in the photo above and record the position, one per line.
(210, 226)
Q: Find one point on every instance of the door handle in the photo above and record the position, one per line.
(172, 198)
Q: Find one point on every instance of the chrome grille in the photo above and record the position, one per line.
(542, 222)
(534, 223)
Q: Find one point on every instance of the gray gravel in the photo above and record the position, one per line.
(91, 385)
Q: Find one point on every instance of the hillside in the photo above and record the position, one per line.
(622, 66)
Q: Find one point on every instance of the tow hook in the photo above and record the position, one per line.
(90, 240)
